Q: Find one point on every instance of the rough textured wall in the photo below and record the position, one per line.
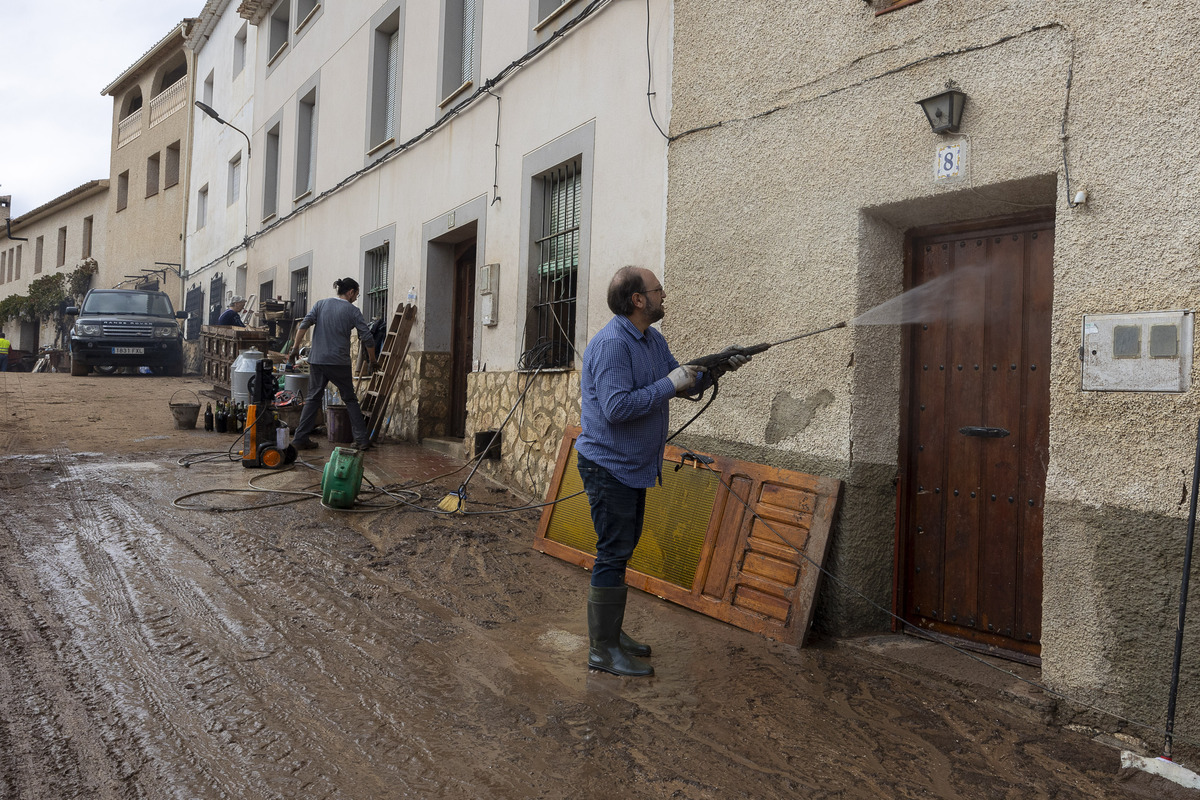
(799, 162)
(531, 439)
(419, 407)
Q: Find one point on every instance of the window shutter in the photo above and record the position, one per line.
(393, 68)
(468, 40)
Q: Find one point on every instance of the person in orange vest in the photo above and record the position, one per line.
(5, 346)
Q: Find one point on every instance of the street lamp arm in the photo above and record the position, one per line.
(210, 111)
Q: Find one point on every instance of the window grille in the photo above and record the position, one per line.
(193, 304)
(300, 292)
(375, 306)
(216, 299)
(558, 267)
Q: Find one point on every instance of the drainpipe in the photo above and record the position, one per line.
(1183, 595)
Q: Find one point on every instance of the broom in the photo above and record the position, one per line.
(455, 502)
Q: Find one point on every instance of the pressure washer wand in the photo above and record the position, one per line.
(715, 361)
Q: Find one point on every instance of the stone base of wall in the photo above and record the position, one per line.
(420, 405)
(193, 358)
(420, 409)
(531, 439)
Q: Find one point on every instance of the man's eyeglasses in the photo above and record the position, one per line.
(652, 291)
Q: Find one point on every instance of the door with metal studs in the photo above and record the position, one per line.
(975, 435)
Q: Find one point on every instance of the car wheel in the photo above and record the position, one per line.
(106, 369)
(78, 368)
(175, 370)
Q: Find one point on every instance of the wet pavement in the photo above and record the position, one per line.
(291, 651)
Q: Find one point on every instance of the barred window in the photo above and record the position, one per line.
(216, 299)
(300, 292)
(375, 304)
(557, 267)
(193, 304)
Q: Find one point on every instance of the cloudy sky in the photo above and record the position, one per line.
(55, 128)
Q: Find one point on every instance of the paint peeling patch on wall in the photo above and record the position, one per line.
(790, 416)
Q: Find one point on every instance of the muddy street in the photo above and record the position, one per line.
(289, 651)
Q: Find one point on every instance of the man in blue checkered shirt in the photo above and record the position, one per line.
(629, 378)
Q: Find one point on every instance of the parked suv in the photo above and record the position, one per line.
(126, 328)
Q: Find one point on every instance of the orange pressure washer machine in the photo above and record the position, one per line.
(265, 440)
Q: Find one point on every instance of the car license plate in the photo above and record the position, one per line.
(128, 351)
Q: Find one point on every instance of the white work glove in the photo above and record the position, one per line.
(731, 364)
(737, 361)
(683, 377)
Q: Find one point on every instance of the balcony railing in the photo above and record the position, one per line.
(129, 128)
(168, 101)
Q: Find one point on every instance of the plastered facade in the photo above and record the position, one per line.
(146, 214)
(470, 179)
(77, 220)
(800, 160)
(224, 48)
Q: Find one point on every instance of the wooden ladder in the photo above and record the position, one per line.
(374, 400)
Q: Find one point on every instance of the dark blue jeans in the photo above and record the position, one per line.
(617, 515)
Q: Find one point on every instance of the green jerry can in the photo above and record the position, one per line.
(342, 477)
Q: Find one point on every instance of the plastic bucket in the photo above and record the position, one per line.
(337, 420)
(185, 414)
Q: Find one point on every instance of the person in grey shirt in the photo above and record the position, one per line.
(332, 319)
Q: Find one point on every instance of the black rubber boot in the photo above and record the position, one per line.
(633, 646)
(606, 612)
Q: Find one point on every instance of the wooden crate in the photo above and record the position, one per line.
(221, 344)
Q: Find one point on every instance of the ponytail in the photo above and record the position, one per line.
(345, 285)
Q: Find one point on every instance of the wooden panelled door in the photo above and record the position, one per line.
(975, 434)
(462, 344)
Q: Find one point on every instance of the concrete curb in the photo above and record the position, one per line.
(1161, 767)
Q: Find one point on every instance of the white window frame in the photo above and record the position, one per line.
(202, 207)
(234, 182)
(305, 178)
(385, 71)
(271, 164)
(580, 144)
(458, 61)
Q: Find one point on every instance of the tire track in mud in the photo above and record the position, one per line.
(141, 641)
(209, 702)
(325, 647)
(53, 714)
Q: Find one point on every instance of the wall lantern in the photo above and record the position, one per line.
(944, 110)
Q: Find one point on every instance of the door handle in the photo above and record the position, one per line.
(986, 433)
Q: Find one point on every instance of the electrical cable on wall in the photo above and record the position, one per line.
(924, 60)
(515, 66)
(650, 77)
